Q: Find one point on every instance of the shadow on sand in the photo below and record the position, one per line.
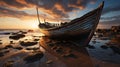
(67, 52)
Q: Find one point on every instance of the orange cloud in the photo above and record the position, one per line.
(51, 8)
(12, 4)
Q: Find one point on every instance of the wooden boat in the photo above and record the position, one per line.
(80, 27)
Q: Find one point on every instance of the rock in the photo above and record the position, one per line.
(93, 41)
(28, 43)
(0, 43)
(34, 57)
(26, 39)
(17, 36)
(14, 33)
(35, 48)
(54, 47)
(37, 36)
(49, 61)
(32, 48)
(90, 46)
(22, 32)
(8, 46)
(59, 50)
(30, 30)
(104, 47)
(115, 49)
(11, 42)
(50, 44)
(28, 49)
(36, 39)
(1, 54)
(19, 48)
(7, 33)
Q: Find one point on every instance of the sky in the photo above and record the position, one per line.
(21, 14)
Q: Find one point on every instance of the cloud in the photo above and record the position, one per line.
(4, 12)
(13, 3)
(55, 8)
(111, 9)
(111, 18)
(107, 22)
(117, 21)
(60, 8)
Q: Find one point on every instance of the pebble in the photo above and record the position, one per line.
(49, 61)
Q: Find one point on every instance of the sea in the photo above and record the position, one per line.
(100, 57)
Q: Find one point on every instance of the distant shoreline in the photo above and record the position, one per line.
(17, 29)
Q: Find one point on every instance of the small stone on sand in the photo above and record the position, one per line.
(34, 57)
(49, 61)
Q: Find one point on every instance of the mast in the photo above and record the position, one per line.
(38, 15)
(44, 21)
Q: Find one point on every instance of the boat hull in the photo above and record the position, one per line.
(69, 31)
(78, 28)
(66, 35)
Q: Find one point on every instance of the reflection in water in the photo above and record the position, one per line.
(103, 55)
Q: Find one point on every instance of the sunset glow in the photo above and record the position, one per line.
(21, 14)
(34, 25)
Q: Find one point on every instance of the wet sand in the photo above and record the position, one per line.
(56, 53)
(16, 59)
